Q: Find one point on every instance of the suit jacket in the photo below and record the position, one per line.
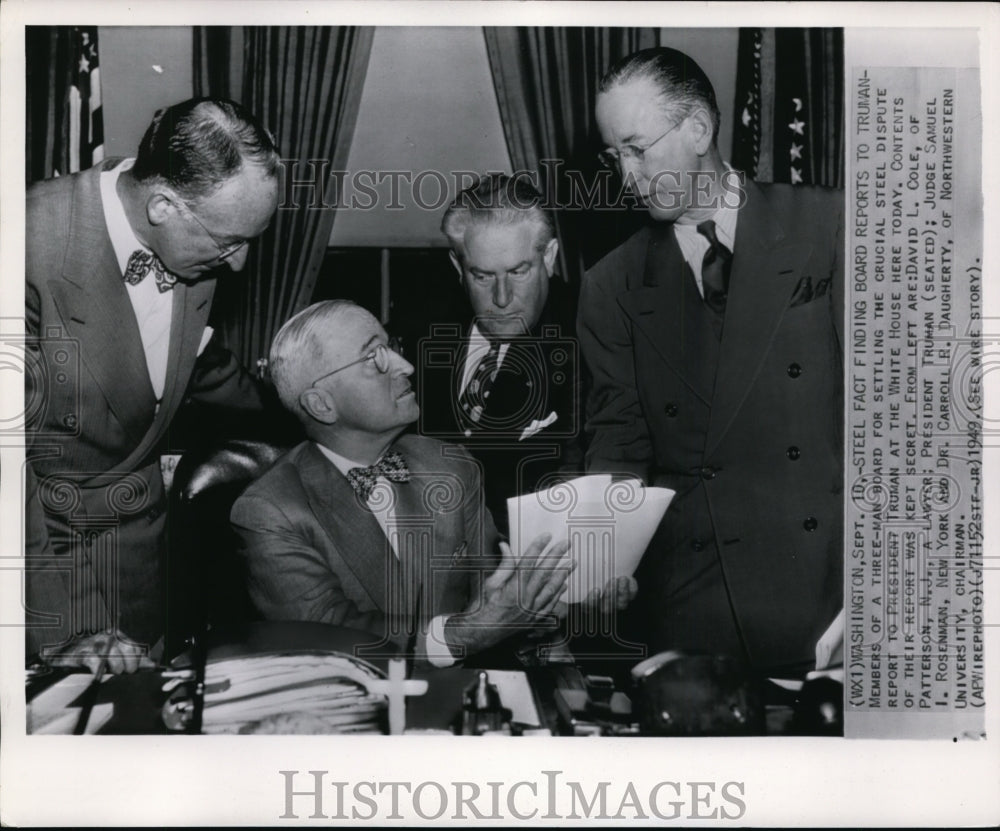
(93, 422)
(315, 552)
(540, 375)
(747, 430)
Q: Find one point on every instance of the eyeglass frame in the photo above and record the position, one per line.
(637, 153)
(392, 347)
(225, 251)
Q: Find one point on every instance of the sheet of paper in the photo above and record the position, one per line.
(609, 525)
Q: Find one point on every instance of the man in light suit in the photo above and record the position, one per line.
(364, 527)
(121, 262)
(714, 341)
(504, 381)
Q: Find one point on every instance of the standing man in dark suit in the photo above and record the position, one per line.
(504, 381)
(714, 341)
(360, 527)
(120, 270)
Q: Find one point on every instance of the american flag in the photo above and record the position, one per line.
(86, 123)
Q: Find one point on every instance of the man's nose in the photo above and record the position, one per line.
(400, 366)
(238, 258)
(502, 294)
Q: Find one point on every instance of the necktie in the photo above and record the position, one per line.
(140, 263)
(715, 268)
(473, 399)
(392, 466)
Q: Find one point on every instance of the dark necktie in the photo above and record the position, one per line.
(140, 263)
(392, 466)
(473, 399)
(715, 269)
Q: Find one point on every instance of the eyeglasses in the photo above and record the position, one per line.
(613, 158)
(225, 251)
(381, 356)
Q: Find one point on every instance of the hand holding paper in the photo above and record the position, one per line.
(607, 524)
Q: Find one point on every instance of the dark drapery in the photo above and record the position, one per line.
(305, 84)
(546, 81)
(64, 125)
(789, 124)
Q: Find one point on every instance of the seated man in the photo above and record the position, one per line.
(503, 382)
(361, 526)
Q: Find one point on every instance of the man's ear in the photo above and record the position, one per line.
(701, 130)
(551, 252)
(319, 404)
(159, 208)
(457, 263)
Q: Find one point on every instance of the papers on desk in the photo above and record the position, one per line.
(315, 693)
(609, 525)
(55, 711)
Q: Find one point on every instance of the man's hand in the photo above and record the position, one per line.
(617, 593)
(520, 596)
(112, 649)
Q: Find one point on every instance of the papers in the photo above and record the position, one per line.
(609, 525)
(54, 712)
(291, 693)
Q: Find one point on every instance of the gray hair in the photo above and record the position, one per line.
(682, 84)
(297, 347)
(496, 199)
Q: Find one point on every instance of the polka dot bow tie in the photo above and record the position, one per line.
(392, 466)
(141, 263)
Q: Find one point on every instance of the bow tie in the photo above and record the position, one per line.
(392, 466)
(140, 263)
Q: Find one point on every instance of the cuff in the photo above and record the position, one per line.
(438, 654)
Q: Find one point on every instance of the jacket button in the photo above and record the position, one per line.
(698, 545)
(793, 453)
(811, 523)
(707, 473)
(794, 370)
(670, 410)
(69, 420)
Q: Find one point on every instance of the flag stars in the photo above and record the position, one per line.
(84, 64)
(797, 126)
(795, 151)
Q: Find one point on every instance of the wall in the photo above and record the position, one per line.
(142, 69)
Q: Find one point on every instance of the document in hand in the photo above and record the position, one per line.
(609, 525)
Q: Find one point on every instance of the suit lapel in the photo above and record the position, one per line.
(349, 524)
(94, 305)
(659, 309)
(766, 266)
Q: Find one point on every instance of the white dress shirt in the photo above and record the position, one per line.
(153, 308)
(693, 245)
(479, 346)
(437, 650)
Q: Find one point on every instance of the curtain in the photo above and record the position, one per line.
(305, 84)
(789, 124)
(546, 81)
(64, 122)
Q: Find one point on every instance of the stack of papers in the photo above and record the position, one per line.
(609, 525)
(294, 692)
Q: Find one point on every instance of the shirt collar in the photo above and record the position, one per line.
(342, 463)
(123, 238)
(724, 218)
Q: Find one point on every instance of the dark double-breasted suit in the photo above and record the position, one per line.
(747, 429)
(315, 552)
(95, 497)
(538, 380)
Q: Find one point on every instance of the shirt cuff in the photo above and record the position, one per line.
(438, 654)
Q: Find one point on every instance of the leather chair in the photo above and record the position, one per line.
(207, 581)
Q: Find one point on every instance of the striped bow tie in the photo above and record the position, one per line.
(392, 466)
(140, 263)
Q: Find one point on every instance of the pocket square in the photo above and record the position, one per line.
(537, 426)
(806, 292)
(206, 336)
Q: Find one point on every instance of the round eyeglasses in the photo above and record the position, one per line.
(225, 251)
(613, 158)
(380, 356)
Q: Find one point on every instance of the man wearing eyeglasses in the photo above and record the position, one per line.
(120, 269)
(714, 340)
(364, 527)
